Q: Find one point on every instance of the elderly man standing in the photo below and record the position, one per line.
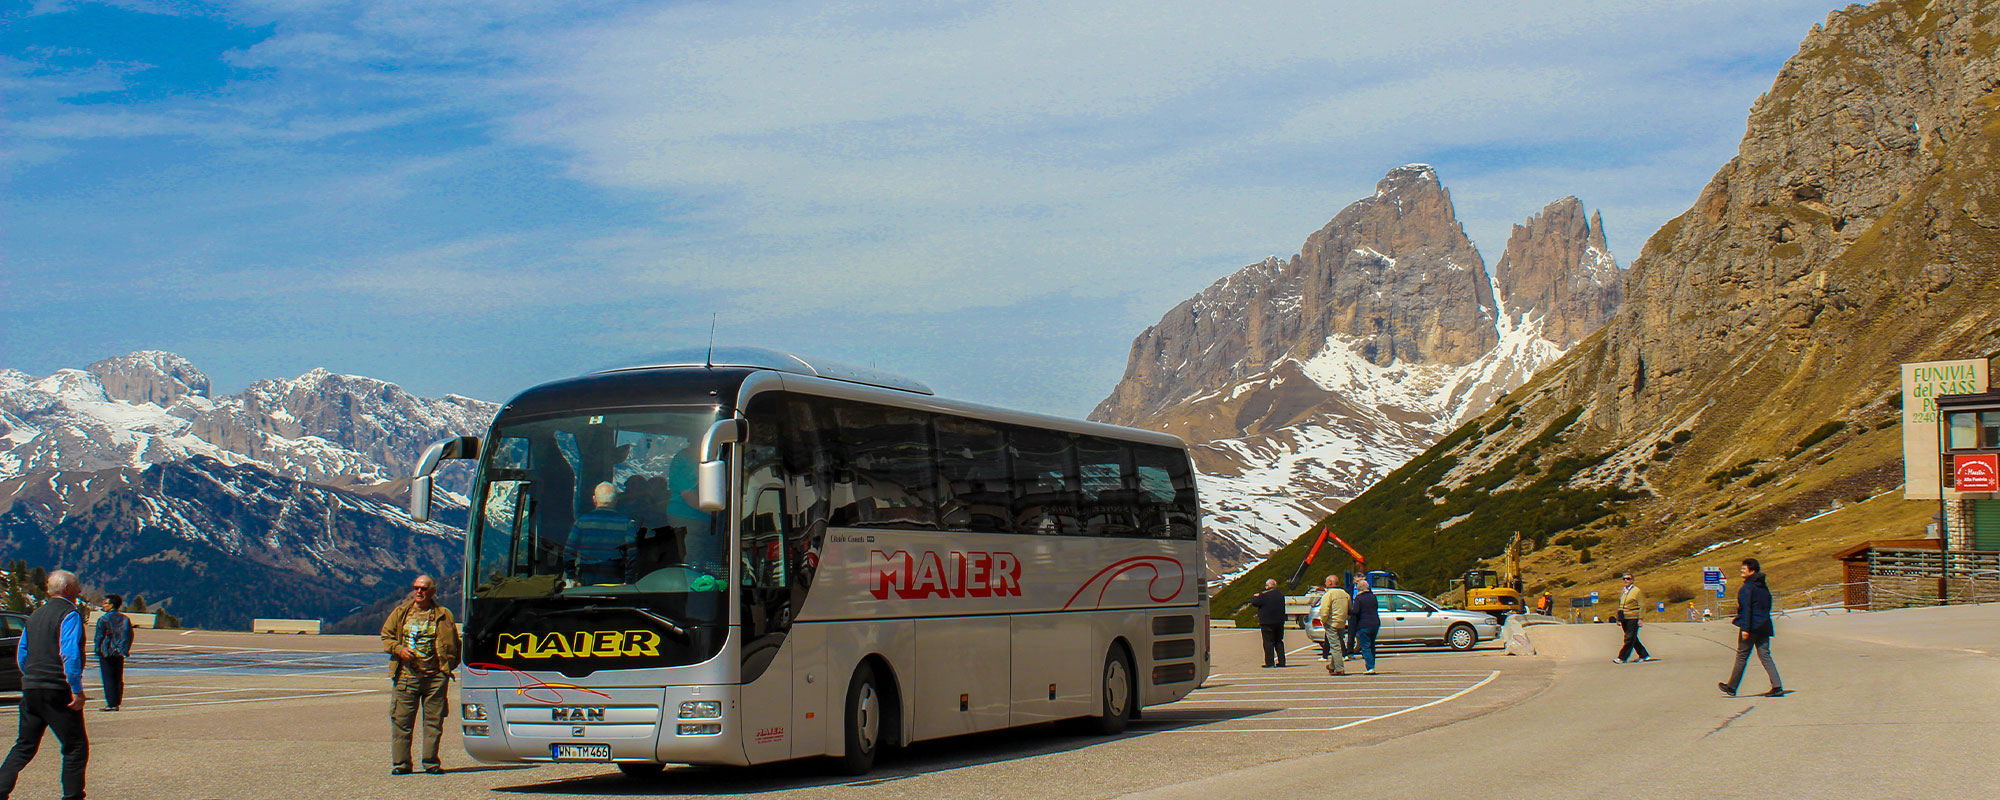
(1333, 621)
(1270, 605)
(51, 659)
(422, 638)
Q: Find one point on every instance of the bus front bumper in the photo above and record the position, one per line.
(679, 725)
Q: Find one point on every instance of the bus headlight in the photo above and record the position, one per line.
(703, 729)
(475, 730)
(472, 711)
(701, 709)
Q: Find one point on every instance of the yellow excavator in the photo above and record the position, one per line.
(1488, 591)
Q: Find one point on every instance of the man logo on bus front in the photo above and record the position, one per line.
(950, 574)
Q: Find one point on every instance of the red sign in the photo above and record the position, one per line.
(949, 574)
(1980, 473)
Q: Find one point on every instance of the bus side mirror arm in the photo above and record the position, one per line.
(457, 447)
(712, 475)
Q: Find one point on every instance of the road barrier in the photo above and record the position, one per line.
(284, 626)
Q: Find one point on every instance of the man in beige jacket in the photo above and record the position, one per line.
(1333, 617)
(1631, 601)
(422, 639)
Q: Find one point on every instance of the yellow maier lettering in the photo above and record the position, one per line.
(553, 645)
(514, 644)
(605, 643)
(642, 643)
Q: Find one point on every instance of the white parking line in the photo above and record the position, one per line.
(1271, 717)
(1460, 693)
(1242, 701)
(1407, 688)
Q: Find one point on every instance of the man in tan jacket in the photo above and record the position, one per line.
(1333, 619)
(422, 639)
(1631, 601)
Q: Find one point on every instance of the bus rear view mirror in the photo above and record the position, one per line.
(457, 447)
(712, 476)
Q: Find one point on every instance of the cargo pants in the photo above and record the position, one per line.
(417, 689)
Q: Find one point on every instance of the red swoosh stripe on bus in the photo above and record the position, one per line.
(1118, 568)
(528, 684)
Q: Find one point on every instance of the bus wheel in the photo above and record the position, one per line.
(1119, 697)
(640, 770)
(864, 722)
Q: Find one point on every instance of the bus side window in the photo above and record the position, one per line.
(1110, 502)
(1046, 484)
(767, 601)
(972, 465)
(1166, 493)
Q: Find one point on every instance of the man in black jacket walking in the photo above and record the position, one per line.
(1271, 618)
(51, 659)
(1753, 620)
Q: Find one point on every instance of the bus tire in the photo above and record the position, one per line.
(1120, 696)
(862, 727)
(641, 770)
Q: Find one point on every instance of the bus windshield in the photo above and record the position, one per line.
(598, 505)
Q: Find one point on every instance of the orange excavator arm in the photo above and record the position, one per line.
(1326, 534)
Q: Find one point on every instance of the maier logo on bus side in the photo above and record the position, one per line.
(581, 644)
(951, 574)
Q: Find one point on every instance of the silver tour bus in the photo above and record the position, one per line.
(745, 556)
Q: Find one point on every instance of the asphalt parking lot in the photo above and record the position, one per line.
(228, 715)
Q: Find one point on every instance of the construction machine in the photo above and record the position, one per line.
(1491, 592)
(1379, 579)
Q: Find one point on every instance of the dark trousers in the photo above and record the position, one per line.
(1631, 640)
(1274, 643)
(111, 669)
(1762, 644)
(43, 709)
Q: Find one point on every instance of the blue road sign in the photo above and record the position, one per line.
(1593, 598)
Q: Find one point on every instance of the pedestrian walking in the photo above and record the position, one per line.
(1270, 605)
(1333, 608)
(1367, 621)
(422, 639)
(51, 659)
(1631, 603)
(113, 643)
(1754, 630)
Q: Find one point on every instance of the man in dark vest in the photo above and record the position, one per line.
(1270, 605)
(51, 659)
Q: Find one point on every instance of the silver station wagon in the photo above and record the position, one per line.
(1409, 618)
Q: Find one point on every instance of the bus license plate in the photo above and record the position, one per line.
(581, 752)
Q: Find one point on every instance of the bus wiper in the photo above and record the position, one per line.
(663, 622)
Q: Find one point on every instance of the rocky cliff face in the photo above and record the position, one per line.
(1392, 276)
(132, 471)
(1748, 384)
(1558, 270)
(1302, 381)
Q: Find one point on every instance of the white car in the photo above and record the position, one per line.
(1409, 618)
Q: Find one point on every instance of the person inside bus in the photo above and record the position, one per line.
(595, 551)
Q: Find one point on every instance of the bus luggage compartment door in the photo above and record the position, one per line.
(963, 669)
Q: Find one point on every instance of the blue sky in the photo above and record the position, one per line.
(994, 198)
